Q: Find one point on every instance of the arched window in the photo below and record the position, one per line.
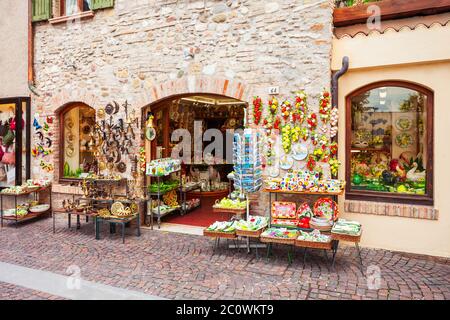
(389, 147)
(77, 122)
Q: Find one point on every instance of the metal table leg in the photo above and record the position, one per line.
(290, 255)
(358, 250)
(69, 220)
(97, 228)
(53, 217)
(334, 248)
(78, 222)
(138, 225)
(123, 232)
(304, 256)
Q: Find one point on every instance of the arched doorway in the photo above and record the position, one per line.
(206, 175)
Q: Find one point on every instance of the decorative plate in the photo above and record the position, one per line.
(104, 212)
(150, 134)
(274, 172)
(40, 208)
(283, 210)
(326, 208)
(286, 162)
(403, 124)
(299, 151)
(134, 207)
(404, 140)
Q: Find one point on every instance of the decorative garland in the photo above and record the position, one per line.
(311, 164)
(325, 106)
(257, 110)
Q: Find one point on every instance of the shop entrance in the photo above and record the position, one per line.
(205, 179)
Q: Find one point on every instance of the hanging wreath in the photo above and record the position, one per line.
(325, 106)
(301, 107)
(257, 110)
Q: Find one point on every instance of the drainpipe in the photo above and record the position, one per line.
(31, 86)
(335, 89)
(335, 82)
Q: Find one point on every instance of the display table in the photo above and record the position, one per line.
(69, 213)
(18, 219)
(113, 221)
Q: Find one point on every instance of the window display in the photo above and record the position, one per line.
(77, 126)
(390, 141)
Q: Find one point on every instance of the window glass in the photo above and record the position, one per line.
(389, 141)
(71, 7)
(78, 124)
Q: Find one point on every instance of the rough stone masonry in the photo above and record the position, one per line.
(144, 50)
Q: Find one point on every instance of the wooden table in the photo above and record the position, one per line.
(112, 221)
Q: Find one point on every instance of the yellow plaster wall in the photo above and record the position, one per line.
(420, 56)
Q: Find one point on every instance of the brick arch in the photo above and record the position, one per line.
(195, 85)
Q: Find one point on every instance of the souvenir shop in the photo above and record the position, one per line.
(187, 197)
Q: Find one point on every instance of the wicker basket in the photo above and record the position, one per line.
(319, 227)
(346, 237)
(250, 234)
(233, 211)
(277, 240)
(313, 244)
(215, 234)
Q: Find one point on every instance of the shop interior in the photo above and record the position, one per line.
(205, 180)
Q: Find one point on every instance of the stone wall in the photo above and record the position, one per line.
(144, 51)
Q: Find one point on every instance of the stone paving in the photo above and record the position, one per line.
(11, 292)
(178, 266)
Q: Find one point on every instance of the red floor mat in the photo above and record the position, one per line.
(200, 217)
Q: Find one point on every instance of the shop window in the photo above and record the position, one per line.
(14, 141)
(390, 143)
(77, 147)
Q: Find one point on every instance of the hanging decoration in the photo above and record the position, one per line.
(301, 107)
(312, 121)
(286, 138)
(48, 167)
(257, 110)
(334, 166)
(273, 107)
(325, 106)
(311, 163)
(286, 109)
(334, 121)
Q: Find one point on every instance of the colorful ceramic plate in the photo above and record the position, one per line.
(403, 124)
(299, 151)
(326, 208)
(404, 140)
(286, 162)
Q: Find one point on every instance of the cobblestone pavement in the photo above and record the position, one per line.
(11, 292)
(178, 266)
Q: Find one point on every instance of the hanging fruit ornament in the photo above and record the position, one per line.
(314, 137)
(334, 122)
(301, 107)
(312, 121)
(311, 164)
(267, 124)
(296, 133)
(286, 109)
(323, 141)
(304, 133)
(334, 166)
(273, 106)
(257, 110)
(333, 148)
(325, 106)
(276, 124)
(269, 153)
(319, 154)
(286, 135)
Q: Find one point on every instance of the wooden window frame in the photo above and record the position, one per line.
(61, 114)
(379, 196)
